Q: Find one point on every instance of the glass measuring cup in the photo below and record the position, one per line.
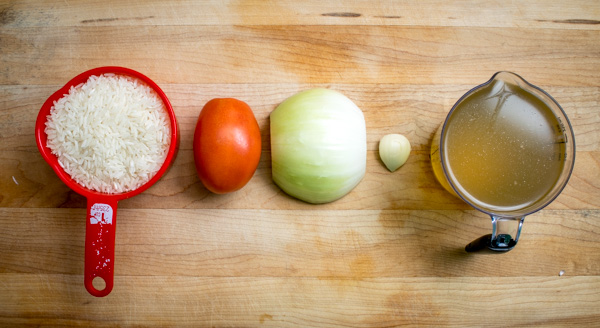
(507, 149)
(101, 207)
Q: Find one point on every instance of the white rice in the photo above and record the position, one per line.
(110, 134)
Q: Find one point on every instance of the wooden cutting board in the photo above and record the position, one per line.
(390, 253)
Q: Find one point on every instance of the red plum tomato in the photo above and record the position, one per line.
(227, 145)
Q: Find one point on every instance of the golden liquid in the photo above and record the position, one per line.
(504, 148)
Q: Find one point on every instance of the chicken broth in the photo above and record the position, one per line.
(505, 148)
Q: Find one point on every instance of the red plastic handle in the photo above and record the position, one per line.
(100, 244)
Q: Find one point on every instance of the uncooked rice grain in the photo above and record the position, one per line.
(110, 134)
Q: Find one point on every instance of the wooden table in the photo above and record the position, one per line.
(390, 253)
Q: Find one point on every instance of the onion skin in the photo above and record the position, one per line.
(318, 145)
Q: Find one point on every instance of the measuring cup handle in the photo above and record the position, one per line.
(504, 237)
(100, 228)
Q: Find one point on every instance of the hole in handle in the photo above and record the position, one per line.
(98, 283)
(98, 286)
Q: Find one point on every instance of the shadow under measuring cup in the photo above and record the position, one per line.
(507, 149)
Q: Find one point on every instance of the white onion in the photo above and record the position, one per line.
(318, 145)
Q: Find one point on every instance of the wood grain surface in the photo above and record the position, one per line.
(389, 254)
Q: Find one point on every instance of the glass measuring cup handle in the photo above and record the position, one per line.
(100, 229)
(504, 237)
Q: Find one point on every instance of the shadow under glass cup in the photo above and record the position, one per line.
(507, 149)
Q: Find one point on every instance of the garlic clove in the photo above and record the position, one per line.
(394, 150)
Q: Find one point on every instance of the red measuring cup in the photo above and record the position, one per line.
(101, 207)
